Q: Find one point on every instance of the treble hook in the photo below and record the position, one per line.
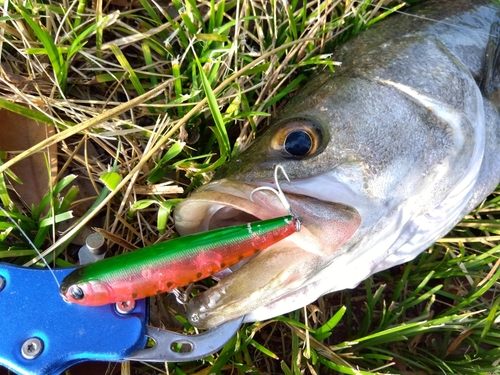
(281, 196)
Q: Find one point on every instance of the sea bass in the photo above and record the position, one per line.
(385, 156)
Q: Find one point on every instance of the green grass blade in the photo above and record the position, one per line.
(325, 330)
(490, 318)
(28, 113)
(53, 53)
(126, 65)
(4, 194)
(56, 219)
(384, 15)
(164, 212)
(220, 128)
(111, 179)
(52, 194)
(16, 253)
(263, 350)
(148, 58)
(285, 91)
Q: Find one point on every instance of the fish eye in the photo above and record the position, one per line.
(77, 293)
(298, 138)
(298, 143)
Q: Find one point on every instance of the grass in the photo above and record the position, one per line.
(150, 100)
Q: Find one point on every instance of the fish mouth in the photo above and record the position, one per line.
(224, 203)
(278, 271)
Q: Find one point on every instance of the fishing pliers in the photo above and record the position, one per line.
(40, 333)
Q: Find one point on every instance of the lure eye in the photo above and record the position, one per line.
(298, 138)
(77, 293)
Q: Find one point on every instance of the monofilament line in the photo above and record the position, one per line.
(465, 28)
(32, 245)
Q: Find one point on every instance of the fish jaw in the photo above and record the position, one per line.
(274, 273)
(278, 271)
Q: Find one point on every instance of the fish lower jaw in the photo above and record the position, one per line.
(232, 299)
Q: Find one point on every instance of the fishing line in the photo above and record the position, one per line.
(32, 244)
(465, 28)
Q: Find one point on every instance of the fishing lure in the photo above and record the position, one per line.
(165, 266)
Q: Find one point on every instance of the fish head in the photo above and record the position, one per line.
(367, 156)
(302, 142)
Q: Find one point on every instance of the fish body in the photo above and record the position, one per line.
(165, 266)
(406, 133)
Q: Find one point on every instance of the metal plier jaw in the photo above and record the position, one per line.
(40, 333)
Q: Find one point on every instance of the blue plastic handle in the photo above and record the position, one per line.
(31, 308)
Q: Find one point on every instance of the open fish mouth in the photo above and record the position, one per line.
(223, 203)
(278, 271)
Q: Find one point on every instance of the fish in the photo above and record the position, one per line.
(385, 156)
(164, 266)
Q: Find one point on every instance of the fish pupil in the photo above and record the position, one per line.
(298, 143)
(77, 293)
